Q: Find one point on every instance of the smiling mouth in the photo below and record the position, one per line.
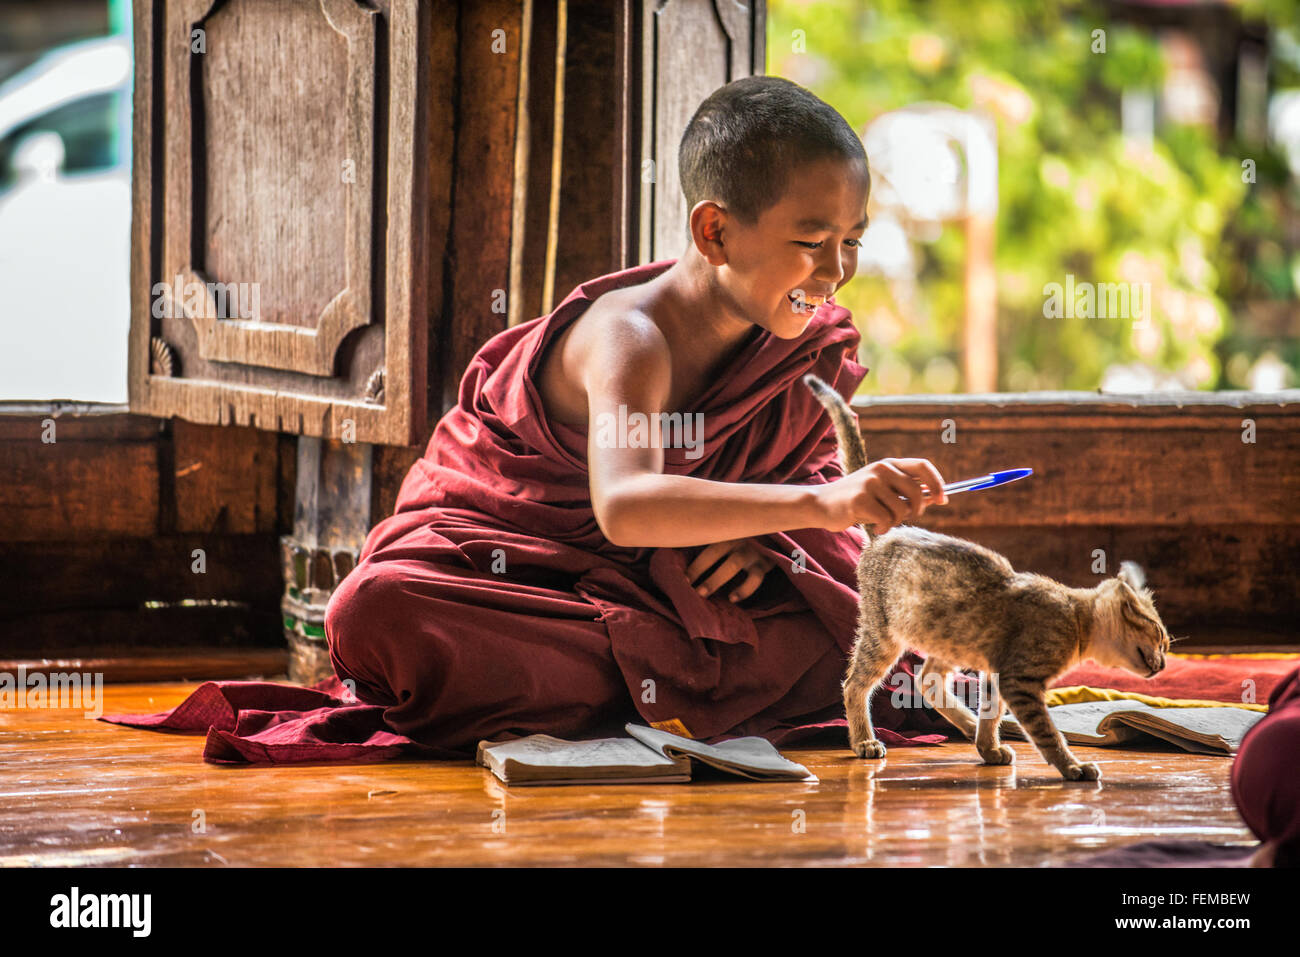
(801, 302)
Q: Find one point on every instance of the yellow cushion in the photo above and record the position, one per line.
(1076, 694)
(1244, 654)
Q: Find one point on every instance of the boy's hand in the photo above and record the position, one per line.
(883, 494)
(741, 555)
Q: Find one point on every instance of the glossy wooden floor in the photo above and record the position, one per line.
(75, 791)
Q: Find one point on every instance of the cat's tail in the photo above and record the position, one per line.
(853, 450)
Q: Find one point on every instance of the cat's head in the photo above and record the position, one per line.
(1129, 633)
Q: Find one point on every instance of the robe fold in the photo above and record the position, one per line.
(490, 605)
(1265, 782)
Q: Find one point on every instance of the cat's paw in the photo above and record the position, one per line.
(999, 755)
(1081, 772)
(871, 748)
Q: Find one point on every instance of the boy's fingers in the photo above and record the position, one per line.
(906, 487)
(753, 578)
(705, 559)
(889, 506)
(726, 571)
(925, 471)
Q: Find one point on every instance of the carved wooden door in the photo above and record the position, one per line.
(281, 255)
(689, 48)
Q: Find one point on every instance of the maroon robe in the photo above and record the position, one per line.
(1266, 773)
(490, 605)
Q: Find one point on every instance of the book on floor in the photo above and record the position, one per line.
(649, 756)
(1126, 722)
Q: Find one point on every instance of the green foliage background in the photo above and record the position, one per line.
(1072, 199)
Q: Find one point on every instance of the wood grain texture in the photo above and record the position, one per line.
(108, 519)
(1099, 464)
(626, 180)
(591, 116)
(163, 663)
(488, 52)
(535, 142)
(291, 155)
(689, 48)
(94, 423)
(224, 478)
(77, 487)
(80, 792)
(389, 467)
(274, 142)
(113, 475)
(102, 632)
(586, 215)
(127, 572)
(437, 75)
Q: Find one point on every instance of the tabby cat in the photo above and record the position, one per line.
(965, 606)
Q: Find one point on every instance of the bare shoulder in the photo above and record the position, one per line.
(615, 335)
(618, 321)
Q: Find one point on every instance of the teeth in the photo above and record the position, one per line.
(810, 300)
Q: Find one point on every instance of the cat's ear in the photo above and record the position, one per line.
(1131, 574)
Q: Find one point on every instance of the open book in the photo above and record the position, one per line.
(650, 756)
(1104, 723)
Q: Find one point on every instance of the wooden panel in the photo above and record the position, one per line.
(439, 78)
(164, 664)
(591, 115)
(80, 485)
(1100, 463)
(627, 110)
(128, 572)
(286, 481)
(584, 222)
(689, 49)
(1164, 480)
(489, 51)
(287, 163)
(224, 478)
(119, 475)
(91, 423)
(113, 631)
(566, 228)
(88, 543)
(389, 467)
(531, 279)
(270, 177)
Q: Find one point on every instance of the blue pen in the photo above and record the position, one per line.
(986, 481)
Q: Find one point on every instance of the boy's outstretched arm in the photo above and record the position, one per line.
(637, 506)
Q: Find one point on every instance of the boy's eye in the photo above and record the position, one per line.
(852, 242)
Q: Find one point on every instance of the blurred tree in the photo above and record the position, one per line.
(1076, 196)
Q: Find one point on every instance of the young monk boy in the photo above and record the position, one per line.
(558, 564)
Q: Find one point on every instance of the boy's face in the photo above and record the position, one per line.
(806, 244)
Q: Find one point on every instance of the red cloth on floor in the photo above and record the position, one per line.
(1266, 773)
(263, 722)
(1237, 680)
(490, 605)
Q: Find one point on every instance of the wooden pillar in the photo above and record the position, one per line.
(330, 519)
